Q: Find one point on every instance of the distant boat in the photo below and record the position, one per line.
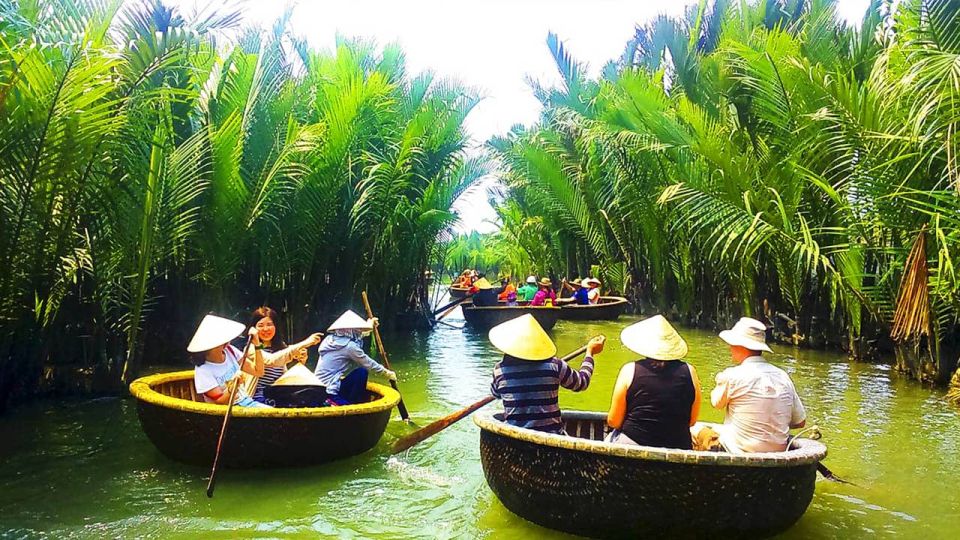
(185, 428)
(487, 317)
(458, 292)
(581, 485)
(609, 308)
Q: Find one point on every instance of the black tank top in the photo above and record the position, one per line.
(658, 405)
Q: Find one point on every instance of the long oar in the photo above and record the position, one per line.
(428, 431)
(449, 307)
(383, 356)
(226, 419)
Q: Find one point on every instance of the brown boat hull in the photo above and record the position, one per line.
(609, 309)
(186, 430)
(458, 292)
(636, 492)
(483, 318)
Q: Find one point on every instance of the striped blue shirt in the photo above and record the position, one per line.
(530, 390)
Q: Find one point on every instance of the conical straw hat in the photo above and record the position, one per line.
(350, 321)
(298, 375)
(523, 338)
(654, 338)
(213, 332)
(483, 284)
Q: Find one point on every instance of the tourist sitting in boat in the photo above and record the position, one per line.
(463, 281)
(484, 295)
(593, 290)
(218, 362)
(545, 295)
(528, 291)
(529, 377)
(508, 292)
(344, 367)
(579, 290)
(760, 400)
(655, 400)
(276, 353)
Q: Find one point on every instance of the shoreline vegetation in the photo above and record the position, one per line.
(751, 158)
(759, 159)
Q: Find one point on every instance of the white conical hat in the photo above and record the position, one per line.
(350, 321)
(213, 332)
(654, 338)
(523, 338)
(298, 375)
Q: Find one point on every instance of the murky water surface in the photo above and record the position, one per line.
(83, 469)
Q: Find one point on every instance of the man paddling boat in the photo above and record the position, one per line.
(529, 377)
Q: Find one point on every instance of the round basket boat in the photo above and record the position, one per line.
(582, 485)
(609, 308)
(458, 292)
(185, 429)
(483, 318)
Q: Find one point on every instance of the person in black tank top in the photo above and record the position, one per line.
(656, 400)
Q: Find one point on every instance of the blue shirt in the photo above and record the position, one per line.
(581, 295)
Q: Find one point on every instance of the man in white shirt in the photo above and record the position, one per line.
(759, 399)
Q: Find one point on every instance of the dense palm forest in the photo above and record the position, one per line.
(766, 159)
(153, 170)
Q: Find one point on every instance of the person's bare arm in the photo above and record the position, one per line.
(697, 395)
(253, 366)
(618, 403)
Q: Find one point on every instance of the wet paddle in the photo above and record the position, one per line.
(226, 420)
(449, 307)
(433, 428)
(383, 356)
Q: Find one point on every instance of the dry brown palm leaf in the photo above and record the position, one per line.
(911, 320)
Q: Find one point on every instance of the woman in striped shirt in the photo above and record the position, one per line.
(529, 377)
(276, 353)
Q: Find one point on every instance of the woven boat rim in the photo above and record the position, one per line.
(492, 308)
(142, 389)
(809, 451)
(614, 301)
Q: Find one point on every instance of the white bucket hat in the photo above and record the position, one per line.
(523, 338)
(654, 338)
(749, 333)
(532, 280)
(213, 332)
(350, 321)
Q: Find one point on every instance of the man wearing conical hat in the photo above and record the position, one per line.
(344, 367)
(529, 377)
(759, 399)
(655, 399)
(593, 289)
(218, 362)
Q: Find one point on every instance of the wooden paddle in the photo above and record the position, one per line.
(428, 431)
(226, 420)
(449, 307)
(383, 356)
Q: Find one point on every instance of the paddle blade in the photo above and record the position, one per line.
(405, 443)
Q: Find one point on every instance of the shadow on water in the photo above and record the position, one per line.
(85, 469)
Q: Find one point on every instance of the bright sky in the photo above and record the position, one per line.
(490, 45)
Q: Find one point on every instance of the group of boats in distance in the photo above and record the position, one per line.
(577, 483)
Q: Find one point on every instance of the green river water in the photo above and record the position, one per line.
(84, 469)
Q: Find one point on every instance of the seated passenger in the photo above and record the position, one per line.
(276, 353)
(545, 295)
(528, 291)
(759, 399)
(508, 292)
(529, 377)
(217, 362)
(484, 295)
(579, 289)
(343, 366)
(655, 400)
(593, 290)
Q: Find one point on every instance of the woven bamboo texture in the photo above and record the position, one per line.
(185, 429)
(591, 488)
(608, 309)
(483, 318)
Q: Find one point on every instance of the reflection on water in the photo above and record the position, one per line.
(84, 469)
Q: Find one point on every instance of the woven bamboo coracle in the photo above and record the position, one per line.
(484, 318)
(185, 429)
(608, 309)
(582, 485)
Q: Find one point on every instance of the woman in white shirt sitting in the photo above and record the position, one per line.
(217, 362)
